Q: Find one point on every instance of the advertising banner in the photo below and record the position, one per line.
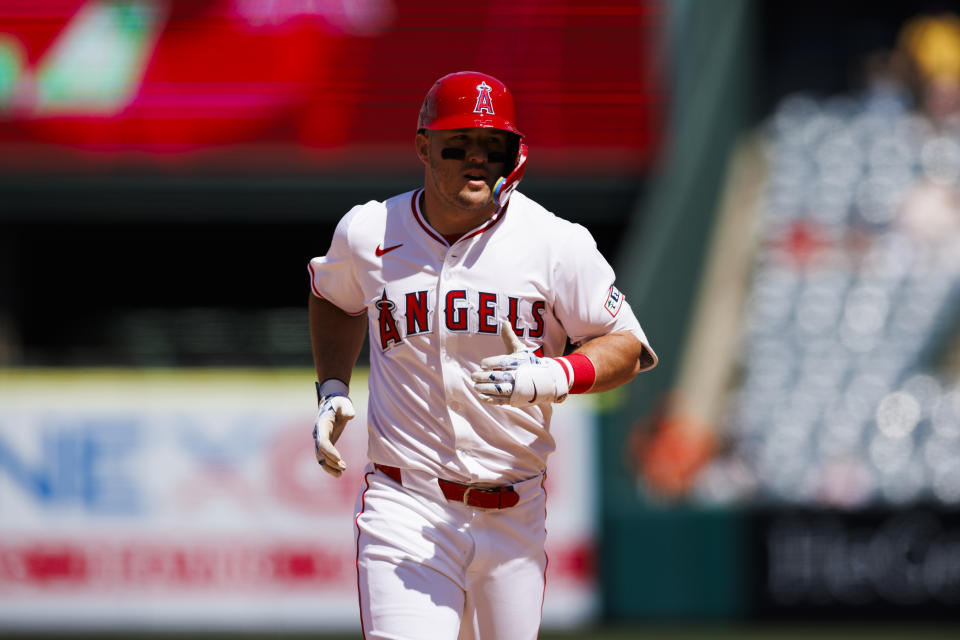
(870, 564)
(150, 499)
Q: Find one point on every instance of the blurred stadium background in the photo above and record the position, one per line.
(777, 184)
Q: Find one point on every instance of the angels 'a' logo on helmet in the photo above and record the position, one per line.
(484, 103)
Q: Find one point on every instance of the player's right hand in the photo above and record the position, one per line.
(332, 415)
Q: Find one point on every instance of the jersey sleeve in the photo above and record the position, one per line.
(333, 276)
(587, 302)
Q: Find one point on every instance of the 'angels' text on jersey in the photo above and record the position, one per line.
(461, 310)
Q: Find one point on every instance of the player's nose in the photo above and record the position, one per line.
(476, 154)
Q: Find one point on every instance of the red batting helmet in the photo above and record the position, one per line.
(468, 99)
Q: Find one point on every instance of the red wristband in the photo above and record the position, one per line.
(581, 374)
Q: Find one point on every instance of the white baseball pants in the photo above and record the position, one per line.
(432, 569)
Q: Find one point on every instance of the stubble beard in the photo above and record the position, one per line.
(470, 202)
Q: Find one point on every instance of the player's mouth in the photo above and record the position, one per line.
(476, 178)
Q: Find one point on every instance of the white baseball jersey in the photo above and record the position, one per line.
(434, 311)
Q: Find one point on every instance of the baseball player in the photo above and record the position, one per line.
(470, 291)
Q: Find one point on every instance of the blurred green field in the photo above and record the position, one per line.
(778, 632)
(762, 633)
(714, 632)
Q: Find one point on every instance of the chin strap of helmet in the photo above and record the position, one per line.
(504, 186)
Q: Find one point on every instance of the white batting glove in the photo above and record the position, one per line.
(520, 378)
(332, 415)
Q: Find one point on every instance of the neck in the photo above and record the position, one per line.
(452, 221)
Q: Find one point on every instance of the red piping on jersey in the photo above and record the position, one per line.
(312, 276)
(363, 506)
(362, 312)
(415, 206)
(497, 217)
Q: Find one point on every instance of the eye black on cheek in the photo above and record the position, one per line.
(451, 153)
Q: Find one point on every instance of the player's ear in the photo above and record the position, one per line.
(422, 144)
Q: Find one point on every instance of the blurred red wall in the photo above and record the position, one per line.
(236, 84)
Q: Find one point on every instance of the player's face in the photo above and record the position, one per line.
(464, 165)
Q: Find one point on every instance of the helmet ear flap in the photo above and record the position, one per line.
(513, 151)
(504, 187)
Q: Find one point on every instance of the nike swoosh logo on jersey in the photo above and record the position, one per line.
(534, 398)
(380, 251)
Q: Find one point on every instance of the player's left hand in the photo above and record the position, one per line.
(332, 415)
(520, 378)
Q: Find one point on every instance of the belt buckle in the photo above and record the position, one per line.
(490, 490)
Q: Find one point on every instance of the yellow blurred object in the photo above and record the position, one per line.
(934, 44)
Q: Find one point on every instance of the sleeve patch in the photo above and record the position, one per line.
(614, 302)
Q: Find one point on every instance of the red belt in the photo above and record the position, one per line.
(481, 497)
